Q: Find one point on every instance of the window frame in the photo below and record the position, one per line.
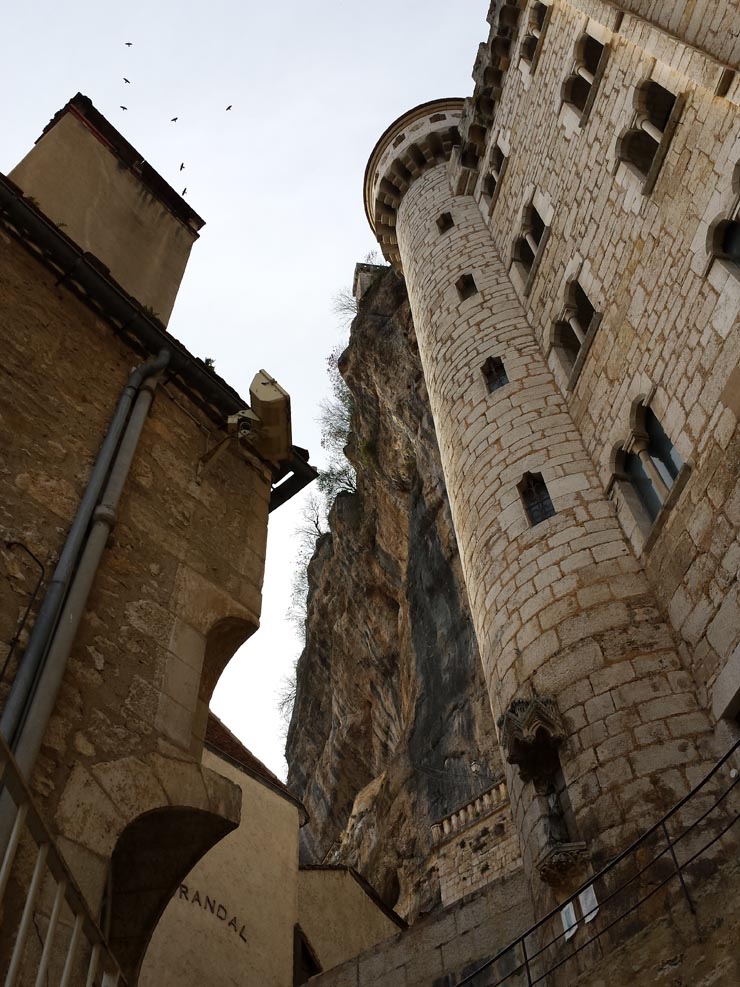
(584, 114)
(492, 199)
(589, 333)
(650, 177)
(646, 528)
(527, 275)
(532, 62)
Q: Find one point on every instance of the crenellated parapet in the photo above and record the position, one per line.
(491, 64)
(419, 140)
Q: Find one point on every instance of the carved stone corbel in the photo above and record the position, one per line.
(530, 732)
(562, 862)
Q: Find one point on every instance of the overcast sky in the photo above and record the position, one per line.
(278, 181)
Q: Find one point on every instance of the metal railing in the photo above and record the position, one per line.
(68, 905)
(538, 952)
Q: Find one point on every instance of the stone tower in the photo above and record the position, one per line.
(598, 714)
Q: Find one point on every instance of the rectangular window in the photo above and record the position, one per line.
(494, 373)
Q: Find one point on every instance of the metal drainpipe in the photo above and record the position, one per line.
(31, 731)
(46, 621)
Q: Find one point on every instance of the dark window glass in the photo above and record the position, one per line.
(730, 246)
(536, 498)
(495, 373)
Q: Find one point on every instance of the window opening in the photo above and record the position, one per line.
(723, 242)
(644, 146)
(580, 86)
(497, 163)
(532, 42)
(651, 466)
(494, 373)
(466, 286)
(529, 245)
(573, 333)
(536, 498)
(445, 222)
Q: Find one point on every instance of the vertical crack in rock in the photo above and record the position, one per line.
(392, 727)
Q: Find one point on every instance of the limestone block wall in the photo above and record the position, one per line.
(563, 606)
(472, 853)
(178, 590)
(439, 950)
(669, 315)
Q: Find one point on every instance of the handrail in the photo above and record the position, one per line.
(49, 859)
(676, 872)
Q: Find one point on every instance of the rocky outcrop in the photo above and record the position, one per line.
(392, 727)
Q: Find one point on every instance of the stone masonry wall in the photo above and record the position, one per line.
(670, 316)
(562, 607)
(483, 851)
(179, 586)
(439, 950)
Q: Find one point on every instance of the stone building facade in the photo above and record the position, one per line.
(570, 240)
(134, 521)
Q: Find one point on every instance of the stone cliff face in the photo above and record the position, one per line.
(391, 728)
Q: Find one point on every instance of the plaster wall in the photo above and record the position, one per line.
(441, 949)
(231, 921)
(337, 916)
(669, 314)
(105, 208)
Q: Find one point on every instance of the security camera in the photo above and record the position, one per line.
(242, 423)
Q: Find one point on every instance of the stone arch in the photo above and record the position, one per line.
(102, 801)
(223, 640)
(151, 857)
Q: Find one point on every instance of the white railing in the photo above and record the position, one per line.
(68, 907)
(464, 815)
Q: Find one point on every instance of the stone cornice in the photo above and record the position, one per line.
(420, 139)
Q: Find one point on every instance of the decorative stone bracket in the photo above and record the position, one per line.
(530, 731)
(560, 862)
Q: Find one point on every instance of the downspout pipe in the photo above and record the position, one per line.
(32, 729)
(47, 617)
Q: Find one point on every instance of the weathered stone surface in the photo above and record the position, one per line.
(392, 728)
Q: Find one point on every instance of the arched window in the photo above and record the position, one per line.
(529, 245)
(573, 333)
(644, 145)
(724, 233)
(647, 468)
(536, 498)
(579, 89)
(532, 42)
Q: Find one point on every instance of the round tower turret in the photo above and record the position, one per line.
(578, 660)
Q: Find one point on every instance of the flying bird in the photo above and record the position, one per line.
(182, 166)
(124, 107)
(128, 43)
(127, 81)
(184, 190)
(173, 120)
(228, 107)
